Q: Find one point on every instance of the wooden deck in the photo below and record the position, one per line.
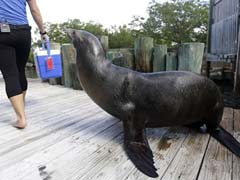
(69, 138)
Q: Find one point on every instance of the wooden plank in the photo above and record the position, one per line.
(236, 160)
(49, 125)
(95, 164)
(34, 104)
(46, 94)
(46, 124)
(84, 157)
(186, 163)
(37, 112)
(60, 148)
(164, 152)
(15, 153)
(217, 163)
(113, 167)
(38, 115)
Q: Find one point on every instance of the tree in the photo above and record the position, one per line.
(57, 31)
(121, 37)
(174, 22)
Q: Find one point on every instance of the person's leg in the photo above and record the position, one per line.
(22, 54)
(18, 105)
(24, 96)
(13, 88)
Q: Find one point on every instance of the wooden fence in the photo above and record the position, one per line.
(144, 57)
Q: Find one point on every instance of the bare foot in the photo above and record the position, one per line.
(20, 125)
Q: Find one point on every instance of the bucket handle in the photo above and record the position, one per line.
(47, 47)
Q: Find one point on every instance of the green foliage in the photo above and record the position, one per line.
(171, 23)
(174, 22)
(121, 37)
(57, 33)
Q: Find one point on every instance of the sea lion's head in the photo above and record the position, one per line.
(85, 42)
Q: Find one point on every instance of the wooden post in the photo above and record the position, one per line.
(122, 57)
(210, 22)
(236, 88)
(55, 81)
(143, 47)
(68, 57)
(159, 58)
(190, 57)
(74, 77)
(171, 61)
(70, 76)
(237, 69)
(208, 66)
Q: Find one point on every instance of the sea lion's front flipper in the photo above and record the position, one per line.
(226, 139)
(137, 147)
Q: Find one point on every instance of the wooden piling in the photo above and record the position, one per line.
(122, 57)
(190, 57)
(74, 77)
(68, 59)
(159, 58)
(143, 47)
(171, 61)
(237, 69)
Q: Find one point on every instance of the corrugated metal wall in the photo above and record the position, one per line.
(224, 29)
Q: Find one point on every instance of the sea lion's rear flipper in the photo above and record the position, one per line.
(138, 149)
(227, 140)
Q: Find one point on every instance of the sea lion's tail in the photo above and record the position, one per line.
(226, 139)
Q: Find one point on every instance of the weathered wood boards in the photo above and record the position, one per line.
(123, 57)
(159, 58)
(190, 57)
(217, 162)
(236, 160)
(69, 78)
(70, 137)
(171, 61)
(144, 57)
(143, 47)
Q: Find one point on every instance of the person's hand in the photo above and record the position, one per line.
(44, 38)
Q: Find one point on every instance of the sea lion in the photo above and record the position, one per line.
(144, 100)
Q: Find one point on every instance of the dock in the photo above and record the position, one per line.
(69, 137)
